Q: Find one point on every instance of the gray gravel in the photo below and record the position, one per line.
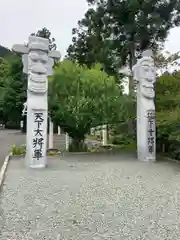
(91, 197)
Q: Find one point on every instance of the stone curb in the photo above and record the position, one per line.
(4, 168)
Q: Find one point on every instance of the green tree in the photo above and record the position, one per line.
(14, 93)
(81, 98)
(4, 67)
(115, 32)
(5, 52)
(45, 33)
(4, 71)
(89, 46)
(168, 113)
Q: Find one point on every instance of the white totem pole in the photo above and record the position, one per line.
(38, 61)
(145, 74)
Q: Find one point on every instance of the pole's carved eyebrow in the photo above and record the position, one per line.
(145, 65)
(33, 55)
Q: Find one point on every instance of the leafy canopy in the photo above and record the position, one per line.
(168, 105)
(4, 67)
(115, 32)
(13, 92)
(81, 98)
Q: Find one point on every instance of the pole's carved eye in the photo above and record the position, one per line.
(34, 56)
(146, 68)
(44, 59)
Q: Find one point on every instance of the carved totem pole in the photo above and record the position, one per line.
(38, 61)
(145, 74)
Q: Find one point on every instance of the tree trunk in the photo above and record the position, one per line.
(132, 62)
(78, 145)
(132, 94)
(24, 124)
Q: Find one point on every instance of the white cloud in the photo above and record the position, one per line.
(19, 18)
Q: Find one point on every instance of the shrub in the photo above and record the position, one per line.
(21, 150)
(122, 139)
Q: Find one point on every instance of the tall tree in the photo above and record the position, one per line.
(116, 32)
(45, 33)
(4, 73)
(89, 47)
(14, 92)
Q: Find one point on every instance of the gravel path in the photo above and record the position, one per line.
(91, 197)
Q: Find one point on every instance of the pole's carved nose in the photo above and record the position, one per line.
(39, 69)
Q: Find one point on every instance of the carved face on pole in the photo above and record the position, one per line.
(144, 72)
(37, 62)
(38, 65)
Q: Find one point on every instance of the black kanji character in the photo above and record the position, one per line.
(38, 141)
(150, 121)
(150, 148)
(150, 140)
(150, 115)
(38, 118)
(151, 132)
(38, 132)
(37, 154)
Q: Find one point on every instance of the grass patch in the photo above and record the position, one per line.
(127, 147)
(53, 152)
(18, 150)
(21, 150)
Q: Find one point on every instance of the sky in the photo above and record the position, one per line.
(20, 18)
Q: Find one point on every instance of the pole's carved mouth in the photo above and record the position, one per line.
(39, 73)
(41, 78)
(37, 83)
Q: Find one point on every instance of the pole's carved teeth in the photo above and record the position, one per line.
(37, 83)
(38, 80)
